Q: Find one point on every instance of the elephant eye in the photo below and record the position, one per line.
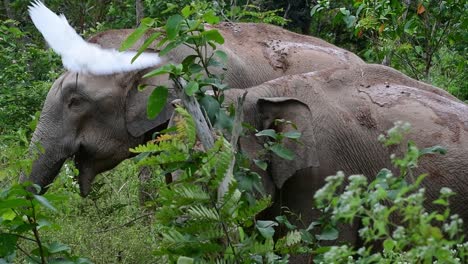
(74, 102)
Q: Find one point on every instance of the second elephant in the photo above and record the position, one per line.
(340, 113)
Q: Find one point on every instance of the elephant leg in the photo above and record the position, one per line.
(297, 196)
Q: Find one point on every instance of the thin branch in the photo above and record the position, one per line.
(36, 233)
(26, 253)
(23, 237)
(125, 224)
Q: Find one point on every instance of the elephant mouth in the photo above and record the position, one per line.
(85, 178)
(89, 166)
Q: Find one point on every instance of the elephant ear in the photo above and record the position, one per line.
(136, 118)
(305, 151)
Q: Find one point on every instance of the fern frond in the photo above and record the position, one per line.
(186, 126)
(262, 248)
(173, 236)
(247, 211)
(148, 147)
(165, 137)
(292, 238)
(191, 192)
(218, 160)
(211, 232)
(231, 202)
(203, 213)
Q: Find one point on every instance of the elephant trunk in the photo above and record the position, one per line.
(48, 158)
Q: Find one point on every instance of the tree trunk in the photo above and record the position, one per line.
(8, 10)
(139, 11)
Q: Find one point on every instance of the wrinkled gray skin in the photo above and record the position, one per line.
(340, 113)
(96, 119)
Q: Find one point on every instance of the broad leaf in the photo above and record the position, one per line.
(222, 56)
(156, 101)
(134, 37)
(13, 203)
(172, 26)
(211, 106)
(433, 150)
(266, 228)
(292, 134)
(56, 247)
(168, 68)
(267, 132)
(213, 35)
(7, 244)
(282, 152)
(328, 233)
(261, 164)
(191, 88)
(146, 44)
(42, 200)
(210, 17)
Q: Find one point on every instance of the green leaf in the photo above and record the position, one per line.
(213, 35)
(210, 17)
(210, 105)
(283, 220)
(282, 152)
(222, 56)
(172, 45)
(172, 26)
(191, 88)
(261, 164)
(388, 244)
(134, 37)
(56, 247)
(328, 233)
(7, 244)
(266, 228)
(168, 68)
(292, 134)
(267, 132)
(187, 11)
(146, 44)
(42, 200)
(13, 203)
(184, 260)
(433, 150)
(156, 101)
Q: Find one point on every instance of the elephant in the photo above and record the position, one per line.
(96, 119)
(340, 113)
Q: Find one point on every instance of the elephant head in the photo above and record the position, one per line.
(93, 119)
(263, 107)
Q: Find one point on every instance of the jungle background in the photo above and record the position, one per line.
(425, 39)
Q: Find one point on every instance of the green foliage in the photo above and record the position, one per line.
(22, 216)
(391, 212)
(27, 71)
(192, 222)
(274, 142)
(424, 39)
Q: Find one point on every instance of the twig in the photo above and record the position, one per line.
(36, 233)
(20, 236)
(26, 253)
(123, 225)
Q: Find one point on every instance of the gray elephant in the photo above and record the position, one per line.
(340, 113)
(96, 119)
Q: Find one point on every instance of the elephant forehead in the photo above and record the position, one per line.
(92, 86)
